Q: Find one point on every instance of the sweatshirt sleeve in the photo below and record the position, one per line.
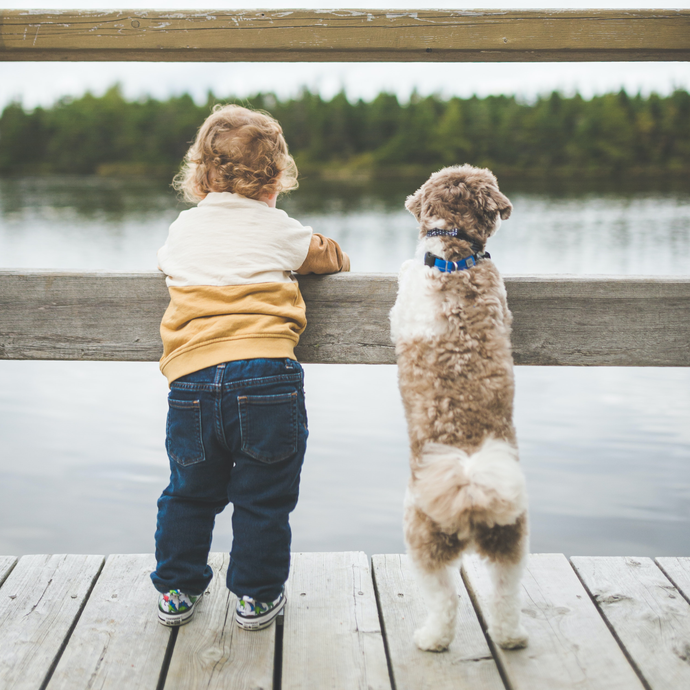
(324, 256)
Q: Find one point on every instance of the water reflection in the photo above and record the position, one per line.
(109, 224)
(606, 451)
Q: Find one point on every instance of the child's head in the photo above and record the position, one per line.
(237, 150)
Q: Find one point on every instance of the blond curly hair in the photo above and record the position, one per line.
(237, 150)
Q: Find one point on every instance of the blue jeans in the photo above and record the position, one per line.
(236, 433)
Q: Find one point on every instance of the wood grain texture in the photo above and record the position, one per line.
(212, 653)
(84, 316)
(569, 643)
(6, 565)
(39, 604)
(332, 635)
(346, 35)
(558, 320)
(647, 613)
(468, 663)
(677, 569)
(600, 320)
(118, 642)
(347, 318)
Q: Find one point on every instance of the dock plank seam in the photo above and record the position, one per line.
(382, 623)
(9, 566)
(468, 662)
(167, 659)
(673, 580)
(611, 629)
(474, 600)
(65, 642)
(630, 596)
(278, 651)
(37, 624)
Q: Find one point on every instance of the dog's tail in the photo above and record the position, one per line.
(449, 483)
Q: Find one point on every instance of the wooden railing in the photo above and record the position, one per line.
(558, 320)
(574, 320)
(346, 35)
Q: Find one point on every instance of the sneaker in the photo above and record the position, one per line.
(256, 615)
(176, 608)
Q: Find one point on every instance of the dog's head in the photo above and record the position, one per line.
(463, 197)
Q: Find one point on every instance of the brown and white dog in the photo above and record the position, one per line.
(451, 330)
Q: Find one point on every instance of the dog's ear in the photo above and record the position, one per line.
(413, 203)
(503, 205)
(490, 202)
(494, 201)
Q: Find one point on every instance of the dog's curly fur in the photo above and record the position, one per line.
(452, 339)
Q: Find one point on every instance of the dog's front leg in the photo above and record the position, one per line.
(440, 597)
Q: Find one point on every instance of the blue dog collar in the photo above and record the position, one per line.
(452, 266)
(438, 232)
(457, 232)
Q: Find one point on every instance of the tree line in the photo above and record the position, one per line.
(614, 133)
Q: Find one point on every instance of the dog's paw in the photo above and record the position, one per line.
(431, 640)
(513, 639)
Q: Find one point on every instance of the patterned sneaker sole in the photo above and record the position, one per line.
(260, 622)
(174, 620)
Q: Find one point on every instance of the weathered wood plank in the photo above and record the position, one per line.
(677, 569)
(39, 604)
(346, 35)
(118, 642)
(347, 319)
(84, 316)
(6, 565)
(212, 653)
(646, 612)
(600, 320)
(558, 320)
(468, 663)
(332, 635)
(569, 644)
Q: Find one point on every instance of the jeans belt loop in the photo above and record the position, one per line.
(220, 370)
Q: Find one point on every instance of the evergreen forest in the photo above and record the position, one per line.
(611, 134)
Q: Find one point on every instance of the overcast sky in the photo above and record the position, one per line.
(42, 83)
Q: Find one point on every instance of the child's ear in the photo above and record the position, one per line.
(413, 203)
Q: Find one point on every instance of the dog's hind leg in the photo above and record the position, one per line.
(505, 628)
(431, 552)
(506, 548)
(440, 597)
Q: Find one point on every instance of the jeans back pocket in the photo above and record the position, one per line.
(183, 439)
(268, 425)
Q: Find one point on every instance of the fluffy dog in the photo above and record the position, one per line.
(451, 330)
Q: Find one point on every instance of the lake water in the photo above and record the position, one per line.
(606, 450)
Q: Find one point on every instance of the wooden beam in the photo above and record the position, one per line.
(558, 320)
(346, 35)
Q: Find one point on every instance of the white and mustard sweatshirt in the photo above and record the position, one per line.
(229, 264)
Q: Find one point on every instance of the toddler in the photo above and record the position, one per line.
(237, 425)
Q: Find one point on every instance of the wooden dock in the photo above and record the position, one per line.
(72, 622)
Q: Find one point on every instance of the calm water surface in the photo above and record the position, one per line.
(606, 450)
